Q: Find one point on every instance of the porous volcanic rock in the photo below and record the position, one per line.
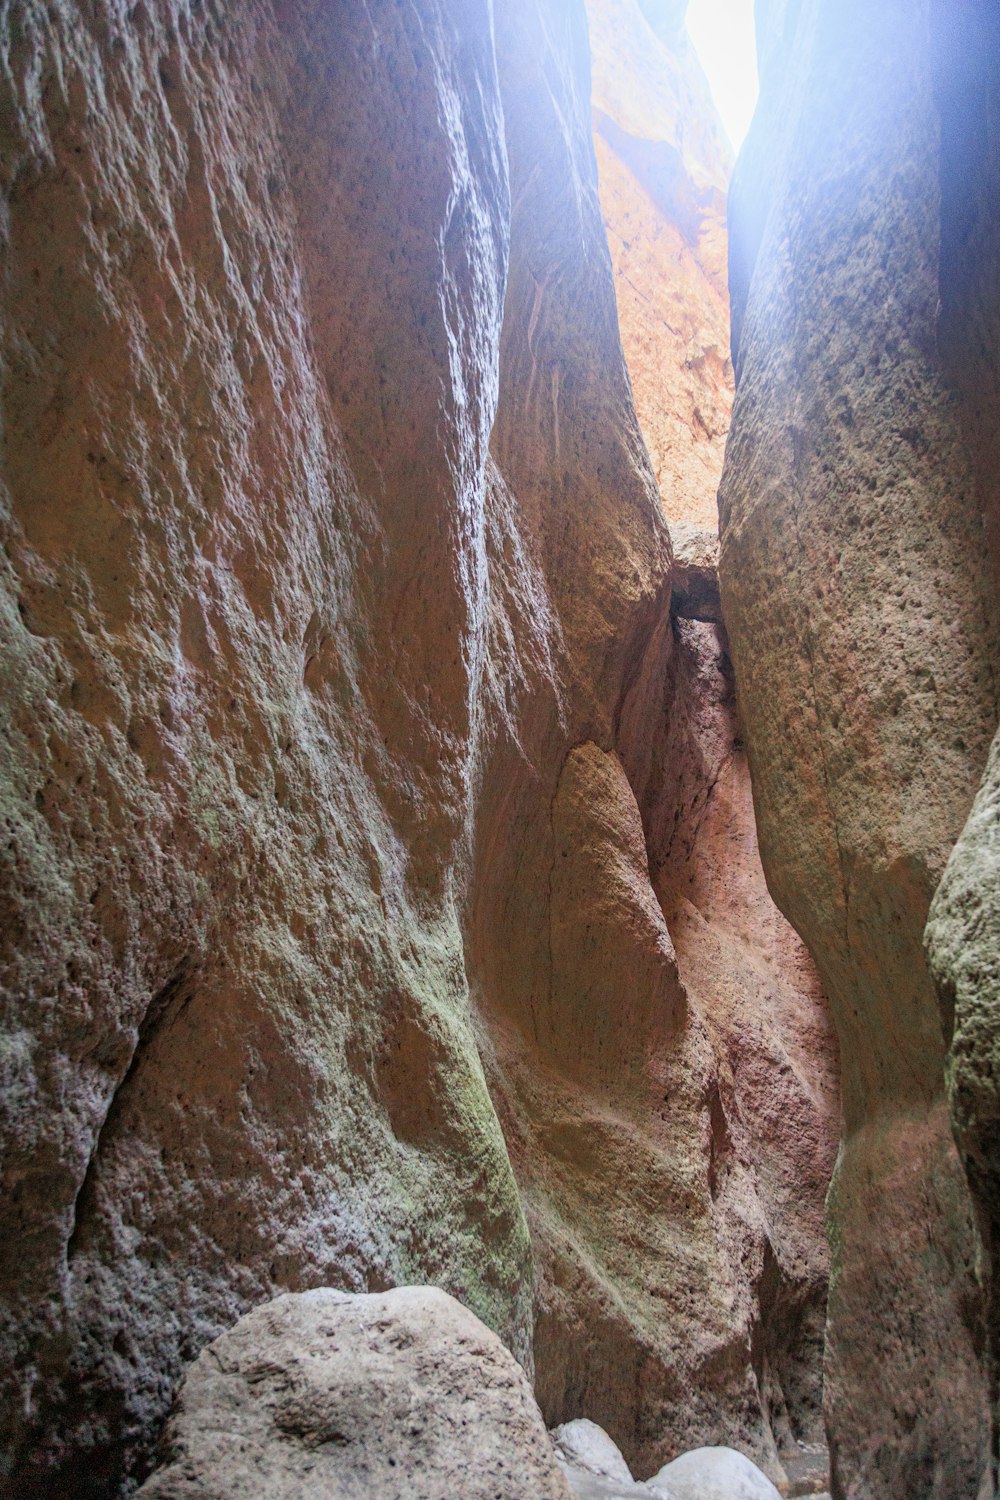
(255, 635)
(397, 1395)
(695, 575)
(657, 1324)
(772, 1108)
(861, 606)
(338, 670)
(664, 166)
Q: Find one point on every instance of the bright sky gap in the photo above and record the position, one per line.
(723, 34)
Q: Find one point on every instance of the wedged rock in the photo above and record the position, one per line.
(695, 573)
(398, 1395)
(713, 1474)
(586, 1446)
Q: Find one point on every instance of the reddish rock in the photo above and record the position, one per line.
(254, 272)
(664, 168)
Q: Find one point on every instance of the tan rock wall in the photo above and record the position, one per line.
(861, 606)
(337, 661)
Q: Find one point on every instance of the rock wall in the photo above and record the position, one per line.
(341, 706)
(858, 508)
(962, 936)
(253, 288)
(664, 166)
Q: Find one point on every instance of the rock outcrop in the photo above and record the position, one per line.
(664, 166)
(963, 943)
(859, 593)
(324, 1394)
(376, 839)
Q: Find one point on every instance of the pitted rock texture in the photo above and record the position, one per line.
(254, 281)
(772, 1105)
(664, 167)
(338, 664)
(396, 1395)
(681, 1036)
(963, 944)
(858, 590)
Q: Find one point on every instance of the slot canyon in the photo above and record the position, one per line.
(500, 897)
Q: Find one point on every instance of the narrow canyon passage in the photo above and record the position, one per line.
(500, 645)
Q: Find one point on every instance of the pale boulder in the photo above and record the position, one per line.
(404, 1395)
(713, 1474)
(583, 1444)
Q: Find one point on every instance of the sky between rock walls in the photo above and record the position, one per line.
(723, 34)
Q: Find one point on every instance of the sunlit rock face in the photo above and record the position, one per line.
(664, 167)
(858, 507)
(353, 761)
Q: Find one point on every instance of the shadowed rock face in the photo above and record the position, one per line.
(339, 674)
(860, 596)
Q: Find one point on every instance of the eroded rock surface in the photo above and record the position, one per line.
(339, 671)
(963, 943)
(859, 594)
(342, 1397)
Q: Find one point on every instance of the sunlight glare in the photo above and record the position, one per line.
(723, 35)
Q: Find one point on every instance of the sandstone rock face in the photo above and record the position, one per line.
(613, 1090)
(254, 284)
(351, 754)
(861, 606)
(338, 1397)
(772, 1100)
(664, 171)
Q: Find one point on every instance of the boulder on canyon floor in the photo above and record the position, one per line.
(401, 1395)
(713, 1474)
(583, 1443)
